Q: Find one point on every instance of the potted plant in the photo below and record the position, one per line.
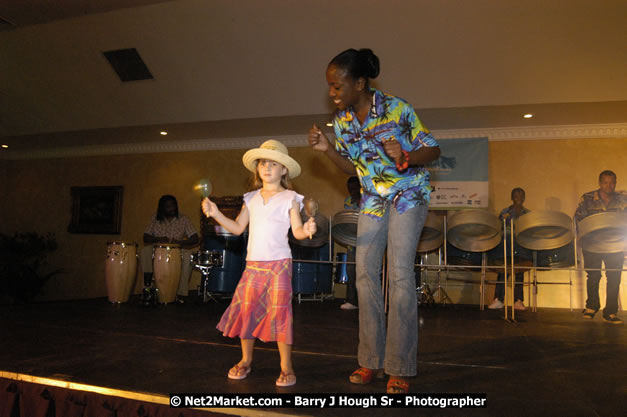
(22, 258)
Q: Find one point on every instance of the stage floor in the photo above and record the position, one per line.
(547, 363)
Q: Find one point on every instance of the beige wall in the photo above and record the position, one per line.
(554, 173)
(36, 193)
(37, 198)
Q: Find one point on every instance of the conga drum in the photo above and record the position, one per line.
(166, 269)
(120, 270)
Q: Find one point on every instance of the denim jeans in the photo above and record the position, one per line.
(351, 285)
(612, 261)
(396, 348)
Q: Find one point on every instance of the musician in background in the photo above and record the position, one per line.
(510, 214)
(351, 203)
(605, 199)
(169, 226)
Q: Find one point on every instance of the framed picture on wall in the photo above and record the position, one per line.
(96, 210)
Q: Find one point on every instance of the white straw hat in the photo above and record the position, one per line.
(272, 150)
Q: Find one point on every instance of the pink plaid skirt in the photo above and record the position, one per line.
(262, 304)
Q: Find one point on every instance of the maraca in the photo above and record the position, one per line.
(311, 208)
(203, 188)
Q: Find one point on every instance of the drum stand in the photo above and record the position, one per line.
(443, 297)
(150, 293)
(205, 272)
(425, 296)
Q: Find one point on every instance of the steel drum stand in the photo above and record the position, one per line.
(534, 273)
(425, 296)
(443, 297)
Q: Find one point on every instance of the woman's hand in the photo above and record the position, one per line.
(393, 149)
(317, 139)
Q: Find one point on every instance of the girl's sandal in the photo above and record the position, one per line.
(285, 380)
(239, 372)
(364, 376)
(397, 385)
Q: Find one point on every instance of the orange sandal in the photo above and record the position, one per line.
(397, 385)
(364, 376)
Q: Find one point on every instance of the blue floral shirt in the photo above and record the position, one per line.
(382, 184)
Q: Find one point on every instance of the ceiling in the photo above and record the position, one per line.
(226, 69)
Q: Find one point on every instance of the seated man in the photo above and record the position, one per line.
(168, 226)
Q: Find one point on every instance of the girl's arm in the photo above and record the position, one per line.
(237, 226)
(299, 230)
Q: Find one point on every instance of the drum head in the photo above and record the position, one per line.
(474, 230)
(604, 232)
(543, 230)
(432, 235)
(344, 227)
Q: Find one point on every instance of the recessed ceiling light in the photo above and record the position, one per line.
(528, 116)
(330, 124)
(163, 133)
(5, 146)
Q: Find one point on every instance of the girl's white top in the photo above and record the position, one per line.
(269, 224)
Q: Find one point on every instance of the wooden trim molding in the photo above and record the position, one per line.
(592, 131)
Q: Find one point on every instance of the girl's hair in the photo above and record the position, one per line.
(358, 63)
(161, 207)
(256, 181)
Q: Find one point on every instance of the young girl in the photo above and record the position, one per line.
(262, 303)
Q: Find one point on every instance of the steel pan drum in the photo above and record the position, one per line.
(432, 235)
(120, 270)
(320, 238)
(344, 227)
(604, 232)
(474, 230)
(542, 230)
